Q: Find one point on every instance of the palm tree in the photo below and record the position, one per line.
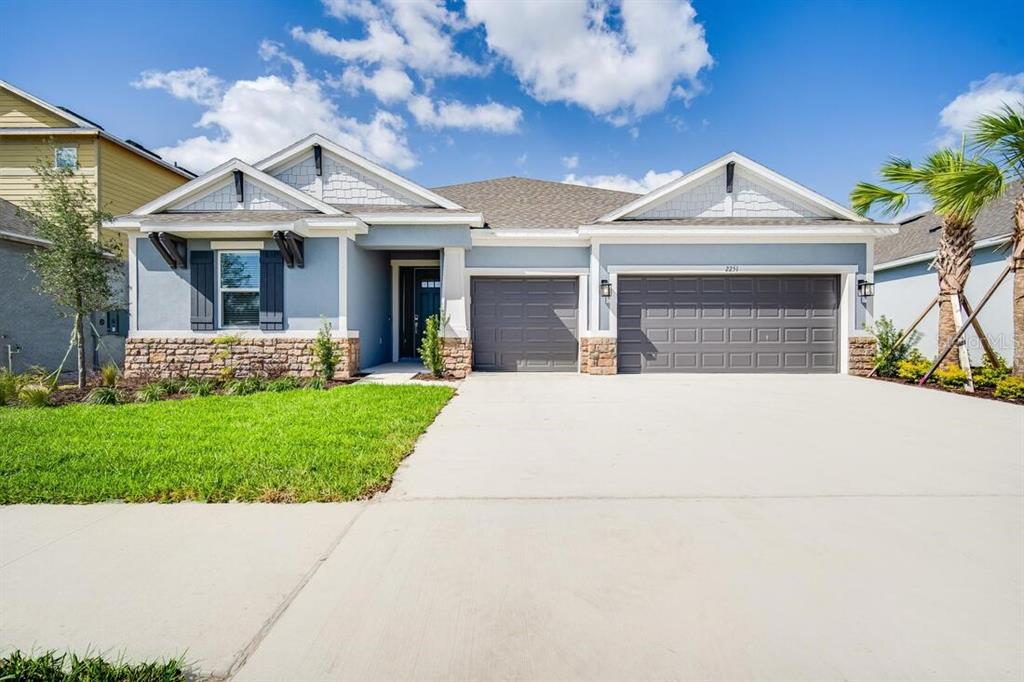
(1002, 133)
(957, 203)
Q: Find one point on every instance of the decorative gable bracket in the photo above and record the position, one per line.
(292, 248)
(173, 249)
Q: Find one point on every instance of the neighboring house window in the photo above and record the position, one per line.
(65, 157)
(238, 274)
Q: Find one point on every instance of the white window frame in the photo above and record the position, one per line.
(221, 290)
(56, 152)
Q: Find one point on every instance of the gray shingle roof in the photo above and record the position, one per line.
(920, 234)
(523, 202)
(14, 220)
(753, 222)
(242, 216)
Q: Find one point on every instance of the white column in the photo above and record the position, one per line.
(453, 291)
(343, 285)
(595, 287)
(133, 283)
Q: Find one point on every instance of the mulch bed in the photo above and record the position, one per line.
(427, 376)
(68, 395)
(985, 393)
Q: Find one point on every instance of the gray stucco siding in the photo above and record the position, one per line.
(163, 293)
(528, 257)
(683, 255)
(369, 303)
(902, 293)
(415, 237)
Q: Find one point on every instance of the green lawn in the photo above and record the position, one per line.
(300, 445)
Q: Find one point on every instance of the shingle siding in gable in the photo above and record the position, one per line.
(301, 176)
(345, 185)
(222, 199)
(258, 198)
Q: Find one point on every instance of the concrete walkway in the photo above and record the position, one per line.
(583, 528)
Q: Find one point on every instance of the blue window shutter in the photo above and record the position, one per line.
(271, 291)
(203, 287)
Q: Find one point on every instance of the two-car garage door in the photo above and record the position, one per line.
(671, 323)
(755, 323)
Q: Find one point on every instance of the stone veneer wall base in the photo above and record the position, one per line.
(862, 355)
(204, 357)
(599, 355)
(458, 357)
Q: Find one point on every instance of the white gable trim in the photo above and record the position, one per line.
(213, 180)
(294, 151)
(57, 111)
(752, 168)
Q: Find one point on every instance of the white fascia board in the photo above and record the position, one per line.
(471, 219)
(23, 238)
(218, 174)
(930, 255)
(518, 235)
(680, 184)
(738, 231)
(67, 116)
(293, 151)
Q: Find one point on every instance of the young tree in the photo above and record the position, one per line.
(957, 203)
(1002, 134)
(76, 269)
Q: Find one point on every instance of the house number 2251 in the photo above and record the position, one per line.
(732, 268)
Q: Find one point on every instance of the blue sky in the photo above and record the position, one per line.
(820, 91)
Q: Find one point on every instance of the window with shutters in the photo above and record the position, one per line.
(238, 280)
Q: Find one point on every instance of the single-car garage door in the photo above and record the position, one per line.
(525, 324)
(756, 323)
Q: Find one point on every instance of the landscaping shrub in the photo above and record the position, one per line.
(34, 395)
(988, 375)
(246, 386)
(316, 383)
(1010, 388)
(889, 354)
(150, 393)
(108, 375)
(283, 384)
(199, 387)
(912, 369)
(950, 377)
(326, 358)
(172, 386)
(70, 668)
(10, 383)
(432, 345)
(103, 395)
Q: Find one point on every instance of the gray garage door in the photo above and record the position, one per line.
(762, 323)
(525, 324)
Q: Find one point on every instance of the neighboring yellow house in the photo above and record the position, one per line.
(121, 174)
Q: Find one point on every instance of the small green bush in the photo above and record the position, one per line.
(432, 345)
(1010, 388)
(10, 384)
(150, 393)
(912, 369)
(103, 395)
(226, 340)
(34, 395)
(109, 375)
(316, 383)
(324, 353)
(889, 354)
(950, 377)
(246, 386)
(172, 386)
(283, 384)
(70, 668)
(988, 375)
(199, 387)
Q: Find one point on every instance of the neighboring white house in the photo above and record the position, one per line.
(905, 282)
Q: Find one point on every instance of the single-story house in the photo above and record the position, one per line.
(730, 268)
(905, 282)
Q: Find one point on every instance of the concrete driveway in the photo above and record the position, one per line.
(684, 528)
(582, 528)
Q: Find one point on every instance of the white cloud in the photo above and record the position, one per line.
(982, 97)
(634, 132)
(620, 67)
(492, 117)
(571, 162)
(388, 84)
(196, 85)
(521, 159)
(651, 180)
(251, 119)
(417, 34)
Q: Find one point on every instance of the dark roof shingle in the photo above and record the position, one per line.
(920, 234)
(15, 221)
(523, 202)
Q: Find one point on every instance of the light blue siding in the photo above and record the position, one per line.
(683, 255)
(369, 303)
(312, 291)
(163, 293)
(902, 293)
(415, 237)
(528, 257)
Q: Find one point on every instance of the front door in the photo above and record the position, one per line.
(420, 294)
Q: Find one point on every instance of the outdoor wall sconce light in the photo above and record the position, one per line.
(865, 288)
(606, 289)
